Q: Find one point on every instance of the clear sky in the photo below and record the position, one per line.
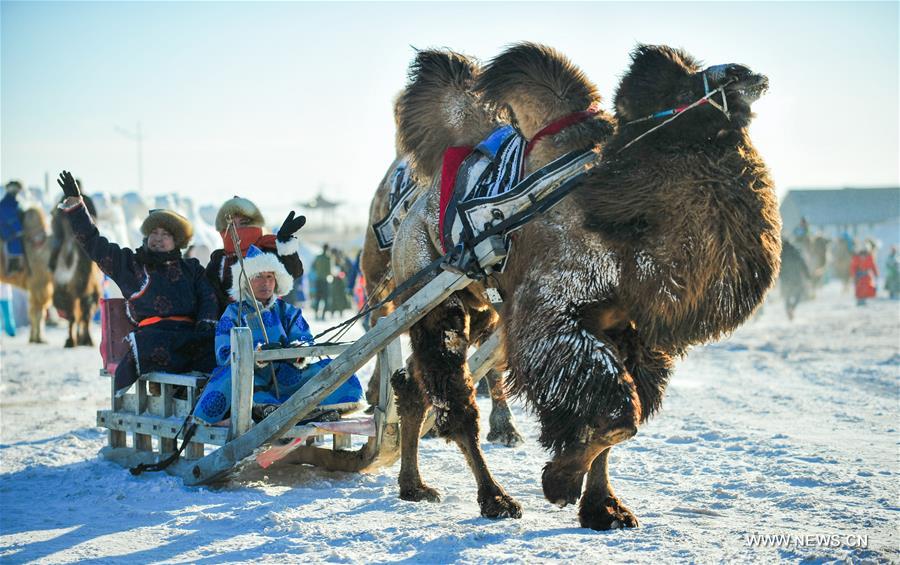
(276, 101)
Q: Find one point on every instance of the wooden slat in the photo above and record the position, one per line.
(241, 380)
(166, 409)
(304, 400)
(389, 360)
(159, 426)
(187, 379)
(305, 351)
(142, 441)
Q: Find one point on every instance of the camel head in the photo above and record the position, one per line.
(662, 78)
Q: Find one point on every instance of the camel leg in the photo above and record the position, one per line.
(36, 310)
(600, 508)
(411, 406)
(84, 323)
(503, 429)
(440, 342)
(563, 476)
(74, 313)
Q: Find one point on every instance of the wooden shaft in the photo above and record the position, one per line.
(330, 378)
(241, 380)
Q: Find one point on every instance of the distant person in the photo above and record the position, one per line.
(273, 382)
(801, 232)
(11, 228)
(167, 297)
(864, 272)
(249, 223)
(322, 271)
(892, 274)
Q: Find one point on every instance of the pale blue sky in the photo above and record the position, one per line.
(275, 100)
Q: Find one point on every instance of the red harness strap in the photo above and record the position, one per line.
(562, 123)
(156, 319)
(453, 158)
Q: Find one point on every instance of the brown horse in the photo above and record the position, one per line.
(76, 280)
(36, 277)
(671, 240)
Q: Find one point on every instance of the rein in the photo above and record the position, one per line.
(677, 112)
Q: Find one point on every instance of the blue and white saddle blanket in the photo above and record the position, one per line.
(400, 198)
(493, 168)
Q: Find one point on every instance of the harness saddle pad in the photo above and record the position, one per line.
(400, 198)
(493, 168)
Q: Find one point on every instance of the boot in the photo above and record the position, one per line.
(9, 321)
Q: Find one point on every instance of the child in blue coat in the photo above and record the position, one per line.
(284, 323)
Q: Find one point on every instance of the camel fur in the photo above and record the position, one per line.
(76, 280)
(668, 242)
(375, 264)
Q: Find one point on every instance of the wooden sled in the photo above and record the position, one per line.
(155, 421)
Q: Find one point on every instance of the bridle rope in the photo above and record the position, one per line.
(677, 112)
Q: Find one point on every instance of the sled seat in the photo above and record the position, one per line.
(145, 428)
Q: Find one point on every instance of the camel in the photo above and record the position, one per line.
(671, 240)
(76, 278)
(794, 279)
(36, 278)
(375, 264)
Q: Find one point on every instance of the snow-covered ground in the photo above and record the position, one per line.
(785, 428)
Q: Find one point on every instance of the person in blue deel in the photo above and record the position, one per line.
(11, 228)
(266, 282)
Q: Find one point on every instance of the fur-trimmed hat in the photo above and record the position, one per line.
(242, 206)
(180, 227)
(256, 262)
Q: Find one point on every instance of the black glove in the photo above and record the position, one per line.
(290, 226)
(281, 343)
(205, 326)
(68, 185)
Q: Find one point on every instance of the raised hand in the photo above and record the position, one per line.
(290, 226)
(68, 185)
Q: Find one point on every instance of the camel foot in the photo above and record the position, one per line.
(499, 506)
(37, 340)
(69, 343)
(610, 514)
(561, 486)
(505, 434)
(420, 493)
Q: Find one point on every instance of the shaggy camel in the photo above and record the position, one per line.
(671, 240)
(794, 280)
(76, 279)
(36, 278)
(376, 266)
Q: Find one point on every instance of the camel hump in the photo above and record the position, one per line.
(537, 84)
(439, 109)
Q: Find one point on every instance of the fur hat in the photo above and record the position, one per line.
(256, 262)
(242, 206)
(176, 224)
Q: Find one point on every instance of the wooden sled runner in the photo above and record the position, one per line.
(155, 422)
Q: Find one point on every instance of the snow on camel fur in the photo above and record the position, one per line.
(668, 242)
